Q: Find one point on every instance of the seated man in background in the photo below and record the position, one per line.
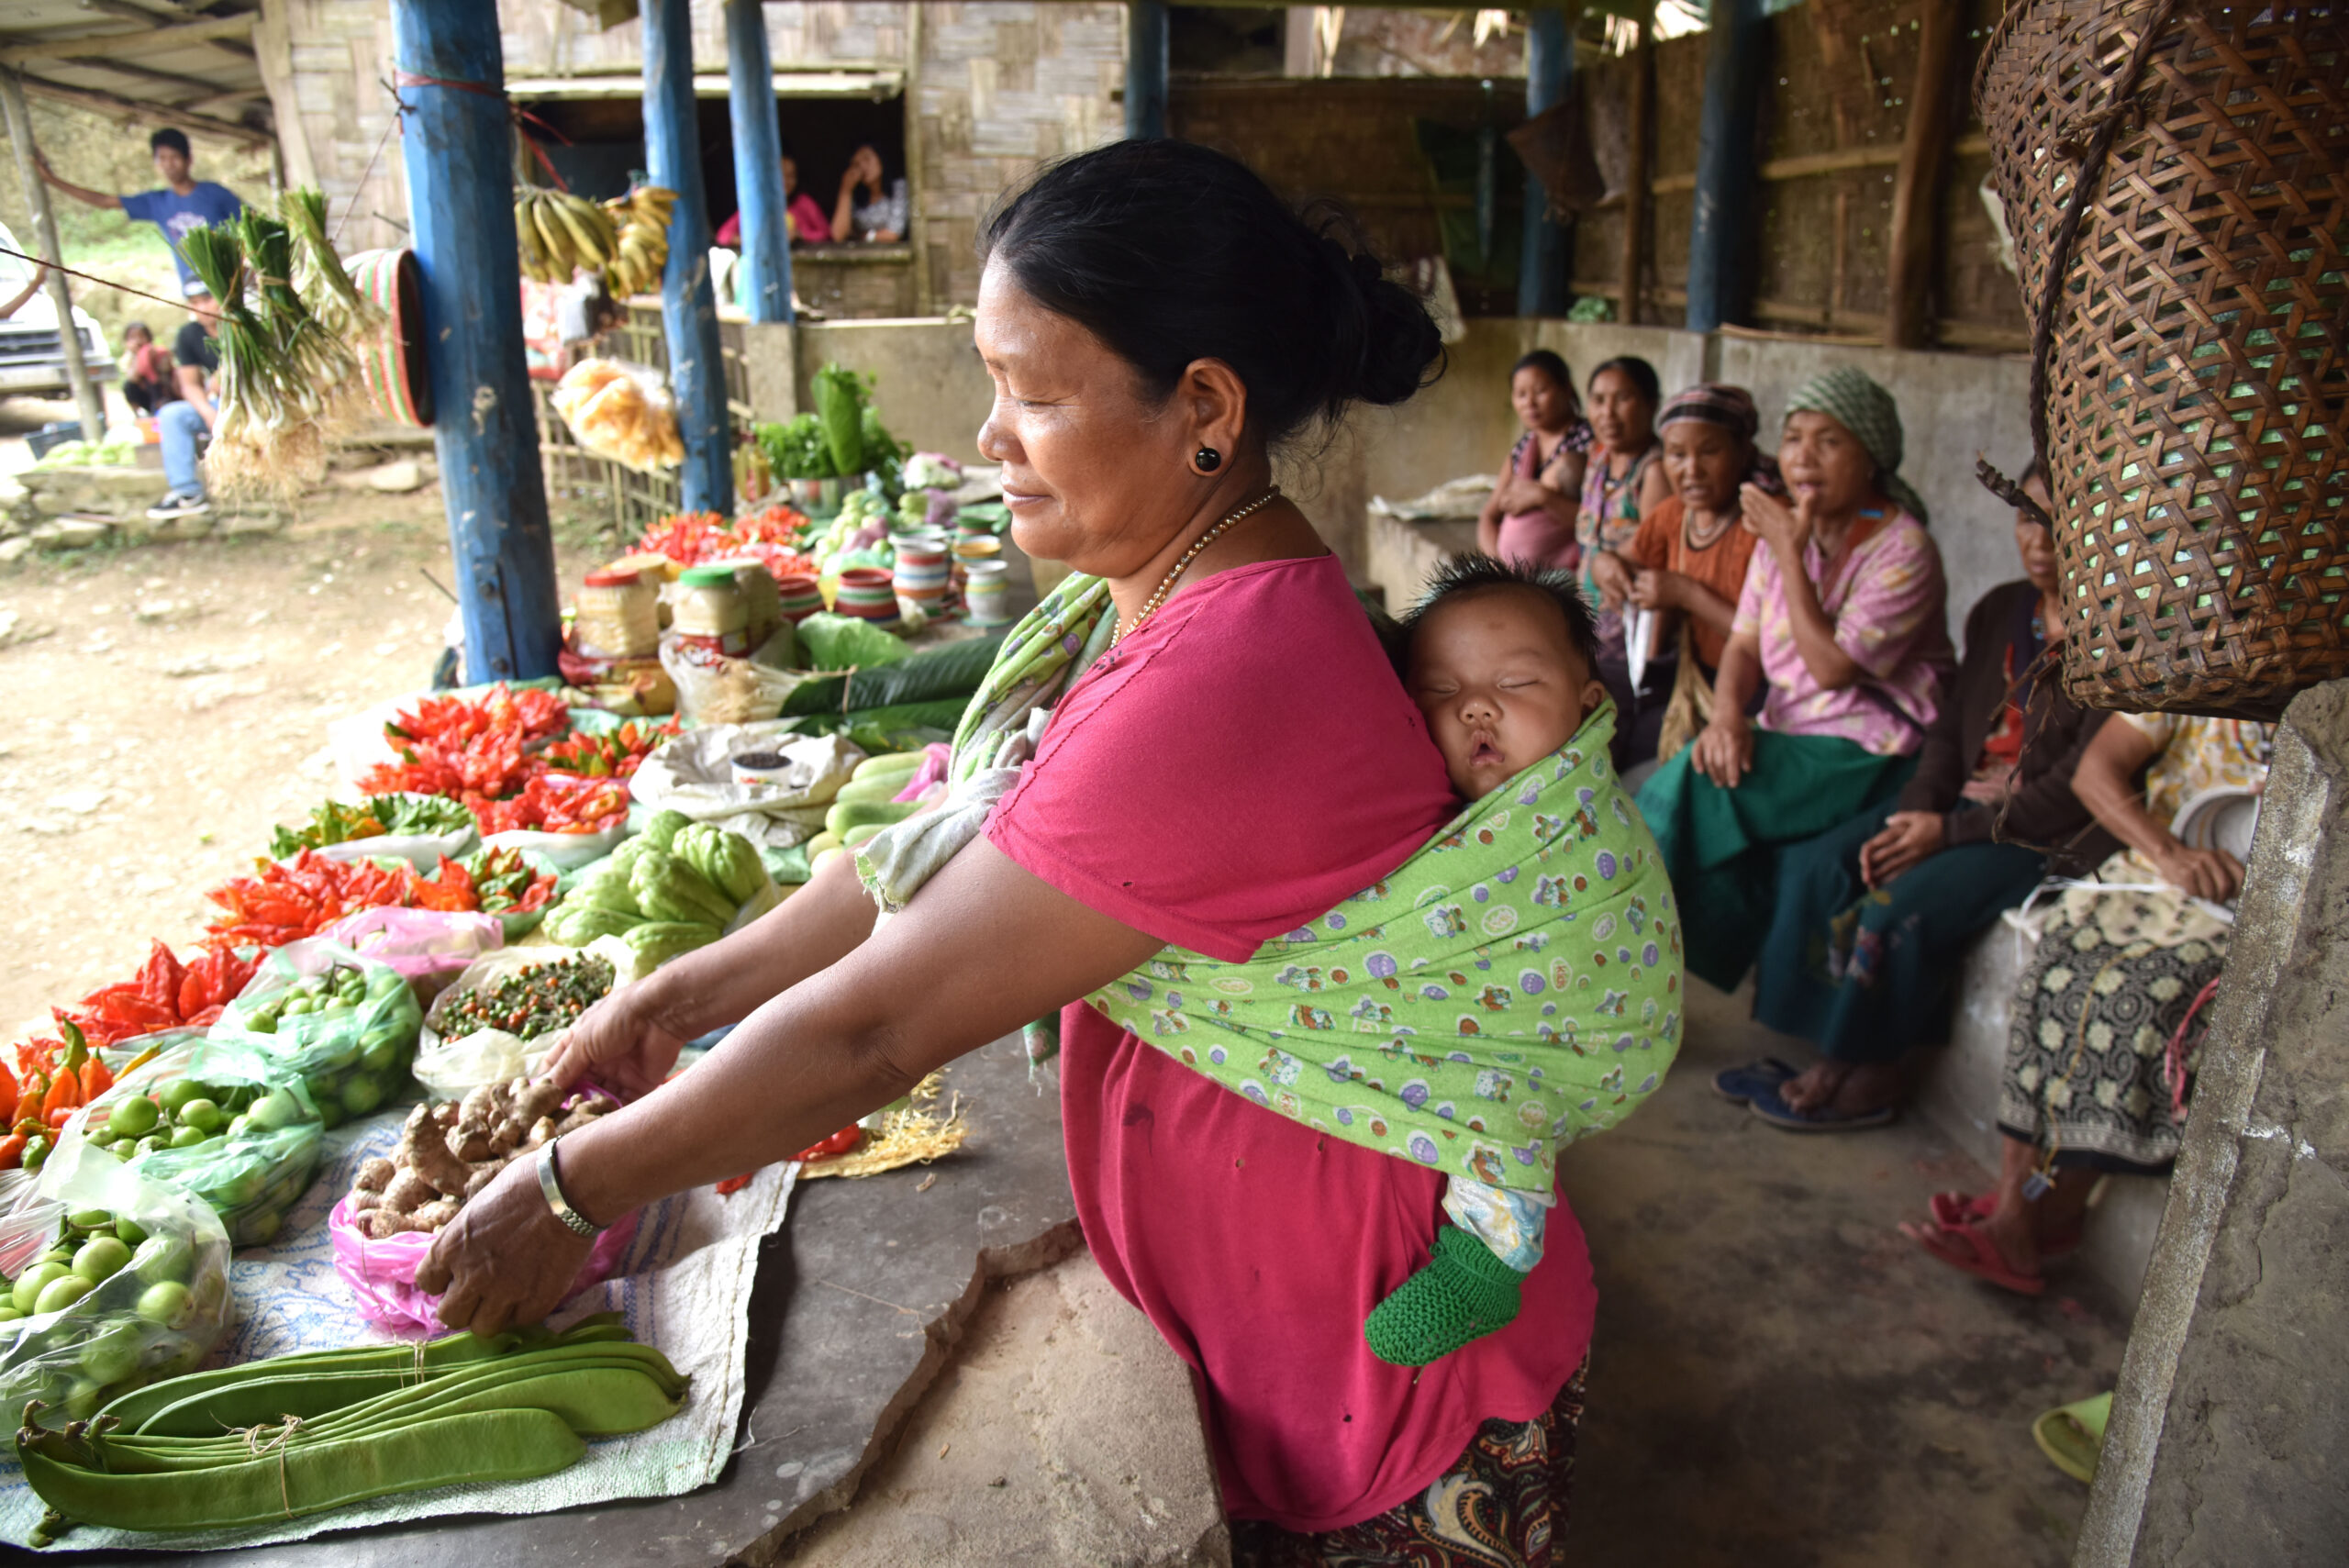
(191, 415)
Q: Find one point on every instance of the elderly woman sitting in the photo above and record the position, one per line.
(1874, 915)
(1841, 616)
(2098, 1067)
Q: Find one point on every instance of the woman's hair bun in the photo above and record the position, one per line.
(1171, 252)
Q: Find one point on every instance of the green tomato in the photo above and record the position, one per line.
(168, 1303)
(361, 1094)
(201, 1114)
(26, 1294)
(63, 1253)
(85, 1399)
(161, 1258)
(8, 1314)
(102, 1136)
(130, 1231)
(259, 1227)
(152, 1145)
(236, 1191)
(276, 1109)
(295, 1006)
(264, 1022)
(380, 1052)
(100, 1259)
(134, 1118)
(189, 1137)
(61, 1292)
(180, 1091)
(330, 1111)
(239, 1098)
(236, 1126)
(112, 1354)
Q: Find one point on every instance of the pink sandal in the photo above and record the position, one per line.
(1966, 1249)
(1952, 1210)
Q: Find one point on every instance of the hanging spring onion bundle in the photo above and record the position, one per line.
(320, 277)
(285, 380)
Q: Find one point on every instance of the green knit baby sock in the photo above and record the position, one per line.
(1464, 1293)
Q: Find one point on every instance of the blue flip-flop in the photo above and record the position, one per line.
(1737, 1085)
(1770, 1107)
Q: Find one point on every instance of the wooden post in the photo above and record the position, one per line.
(1718, 238)
(765, 290)
(458, 153)
(1917, 187)
(86, 395)
(1635, 187)
(688, 304)
(1145, 68)
(1548, 65)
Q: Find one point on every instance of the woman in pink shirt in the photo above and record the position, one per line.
(1241, 760)
(1842, 621)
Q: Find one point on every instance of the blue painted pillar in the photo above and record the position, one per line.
(765, 290)
(688, 307)
(1145, 68)
(1542, 266)
(458, 154)
(1719, 232)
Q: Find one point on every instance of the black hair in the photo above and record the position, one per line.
(1171, 252)
(173, 137)
(130, 327)
(1475, 573)
(1638, 372)
(1549, 364)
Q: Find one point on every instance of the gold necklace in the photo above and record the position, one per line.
(1166, 583)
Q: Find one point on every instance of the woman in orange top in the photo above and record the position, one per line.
(1692, 549)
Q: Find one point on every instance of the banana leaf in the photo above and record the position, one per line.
(950, 670)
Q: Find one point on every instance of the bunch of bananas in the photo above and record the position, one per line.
(561, 234)
(642, 249)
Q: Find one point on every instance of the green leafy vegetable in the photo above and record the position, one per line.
(842, 643)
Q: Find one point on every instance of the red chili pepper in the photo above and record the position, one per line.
(733, 1184)
(840, 1142)
(12, 1151)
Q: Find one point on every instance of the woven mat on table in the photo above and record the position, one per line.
(683, 1287)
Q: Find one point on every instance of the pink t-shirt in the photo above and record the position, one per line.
(1885, 596)
(1242, 763)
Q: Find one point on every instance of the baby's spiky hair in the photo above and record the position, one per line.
(1477, 573)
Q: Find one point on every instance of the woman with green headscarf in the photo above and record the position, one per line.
(1843, 618)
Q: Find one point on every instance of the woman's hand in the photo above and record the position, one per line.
(1909, 837)
(506, 1259)
(2213, 874)
(1723, 749)
(1785, 529)
(1519, 493)
(1614, 578)
(1655, 589)
(622, 1041)
(1989, 791)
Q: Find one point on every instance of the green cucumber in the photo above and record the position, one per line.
(879, 814)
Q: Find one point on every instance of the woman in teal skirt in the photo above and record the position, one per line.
(1843, 618)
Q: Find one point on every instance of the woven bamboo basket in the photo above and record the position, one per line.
(392, 368)
(2176, 173)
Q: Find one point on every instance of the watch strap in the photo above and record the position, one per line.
(576, 1222)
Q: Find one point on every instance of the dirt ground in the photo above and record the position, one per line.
(168, 703)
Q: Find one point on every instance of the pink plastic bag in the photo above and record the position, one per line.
(430, 947)
(934, 757)
(382, 1274)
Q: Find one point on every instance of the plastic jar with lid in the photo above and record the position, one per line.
(710, 609)
(619, 616)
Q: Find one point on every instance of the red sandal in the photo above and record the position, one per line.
(1952, 1210)
(1966, 1249)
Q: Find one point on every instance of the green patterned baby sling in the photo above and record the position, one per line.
(1514, 986)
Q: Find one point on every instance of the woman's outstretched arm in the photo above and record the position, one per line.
(987, 948)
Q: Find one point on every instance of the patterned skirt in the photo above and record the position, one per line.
(2106, 990)
(1502, 1505)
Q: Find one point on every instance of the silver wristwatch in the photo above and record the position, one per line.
(576, 1221)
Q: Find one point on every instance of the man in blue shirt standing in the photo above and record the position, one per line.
(184, 203)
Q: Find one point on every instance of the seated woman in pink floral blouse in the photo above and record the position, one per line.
(1842, 616)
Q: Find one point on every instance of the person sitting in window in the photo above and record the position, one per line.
(147, 380)
(872, 206)
(808, 223)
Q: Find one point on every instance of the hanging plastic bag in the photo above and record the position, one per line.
(153, 1297)
(620, 411)
(215, 1117)
(346, 1024)
(449, 1065)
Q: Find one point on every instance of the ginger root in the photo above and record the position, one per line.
(424, 1150)
(374, 1175)
(448, 1153)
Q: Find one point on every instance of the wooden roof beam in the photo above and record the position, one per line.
(147, 40)
(115, 104)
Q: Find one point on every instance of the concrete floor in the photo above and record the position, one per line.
(1778, 1377)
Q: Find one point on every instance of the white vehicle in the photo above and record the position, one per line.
(32, 355)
